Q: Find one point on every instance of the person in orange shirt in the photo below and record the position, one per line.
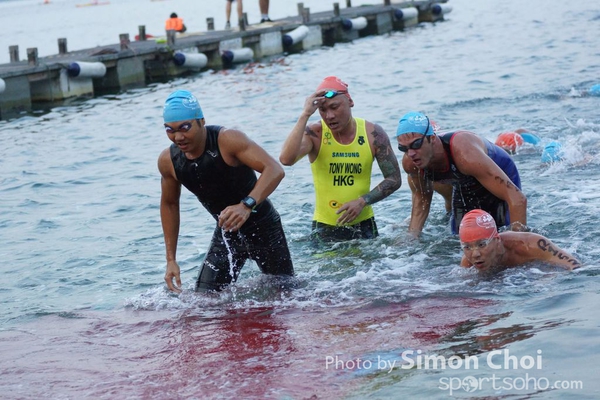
(175, 23)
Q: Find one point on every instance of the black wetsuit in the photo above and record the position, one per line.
(467, 193)
(217, 186)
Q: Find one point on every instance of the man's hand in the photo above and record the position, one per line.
(233, 217)
(173, 272)
(350, 210)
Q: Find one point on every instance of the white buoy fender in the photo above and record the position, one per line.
(295, 36)
(442, 9)
(80, 69)
(244, 54)
(2, 85)
(190, 60)
(354, 24)
(403, 14)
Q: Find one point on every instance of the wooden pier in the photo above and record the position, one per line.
(35, 82)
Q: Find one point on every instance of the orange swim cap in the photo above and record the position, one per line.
(477, 225)
(509, 141)
(334, 83)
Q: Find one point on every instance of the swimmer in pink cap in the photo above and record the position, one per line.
(488, 251)
(341, 150)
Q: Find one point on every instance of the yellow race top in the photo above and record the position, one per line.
(341, 173)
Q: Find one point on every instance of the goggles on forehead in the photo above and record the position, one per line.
(330, 94)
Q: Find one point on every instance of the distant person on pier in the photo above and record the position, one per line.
(240, 12)
(219, 166)
(341, 150)
(175, 23)
(489, 251)
(481, 174)
(264, 11)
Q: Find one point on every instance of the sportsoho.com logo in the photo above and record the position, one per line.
(528, 383)
(503, 360)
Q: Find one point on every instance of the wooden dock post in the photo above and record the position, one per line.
(387, 2)
(348, 4)
(124, 41)
(336, 9)
(142, 32)
(243, 22)
(306, 15)
(171, 37)
(300, 9)
(32, 56)
(14, 53)
(210, 24)
(62, 46)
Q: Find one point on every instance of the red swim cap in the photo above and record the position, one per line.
(477, 225)
(334, 83)
(509, 141)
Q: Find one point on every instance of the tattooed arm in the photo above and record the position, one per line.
(553, 254)
(388, 164)
(524, 247)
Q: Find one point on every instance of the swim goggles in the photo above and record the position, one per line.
(415, 144)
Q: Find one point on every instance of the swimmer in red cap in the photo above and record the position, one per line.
(509, 141)
(341, 150)
(488, 251)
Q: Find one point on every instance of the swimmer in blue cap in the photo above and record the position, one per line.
(482, 175)
(552, 153)
(219, 166)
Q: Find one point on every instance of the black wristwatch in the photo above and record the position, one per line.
(249, 202)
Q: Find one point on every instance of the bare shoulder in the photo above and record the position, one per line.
(377, 134)
(465, 141)
(165, 165)
(470, 153)
(314, 130)
(228, 136)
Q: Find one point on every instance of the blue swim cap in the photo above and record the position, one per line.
(552, 153)
(181, 105)
(414, 122)
(530, 138)
(595, 90)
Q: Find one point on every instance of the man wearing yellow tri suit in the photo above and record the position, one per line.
(341, 150)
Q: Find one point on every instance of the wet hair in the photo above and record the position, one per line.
(173, 15)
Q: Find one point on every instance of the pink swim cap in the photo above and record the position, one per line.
(477, 225)
(334, 83)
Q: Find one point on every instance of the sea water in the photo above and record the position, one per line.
(84, 308)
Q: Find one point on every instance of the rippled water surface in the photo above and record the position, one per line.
(84, 309)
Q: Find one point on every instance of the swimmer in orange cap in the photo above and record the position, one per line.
(509, 141)
(341, 150)
(489, 251)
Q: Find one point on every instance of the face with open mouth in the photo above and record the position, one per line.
(483, 254)
(335, 111)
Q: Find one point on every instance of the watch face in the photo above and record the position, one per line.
(249, 202)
